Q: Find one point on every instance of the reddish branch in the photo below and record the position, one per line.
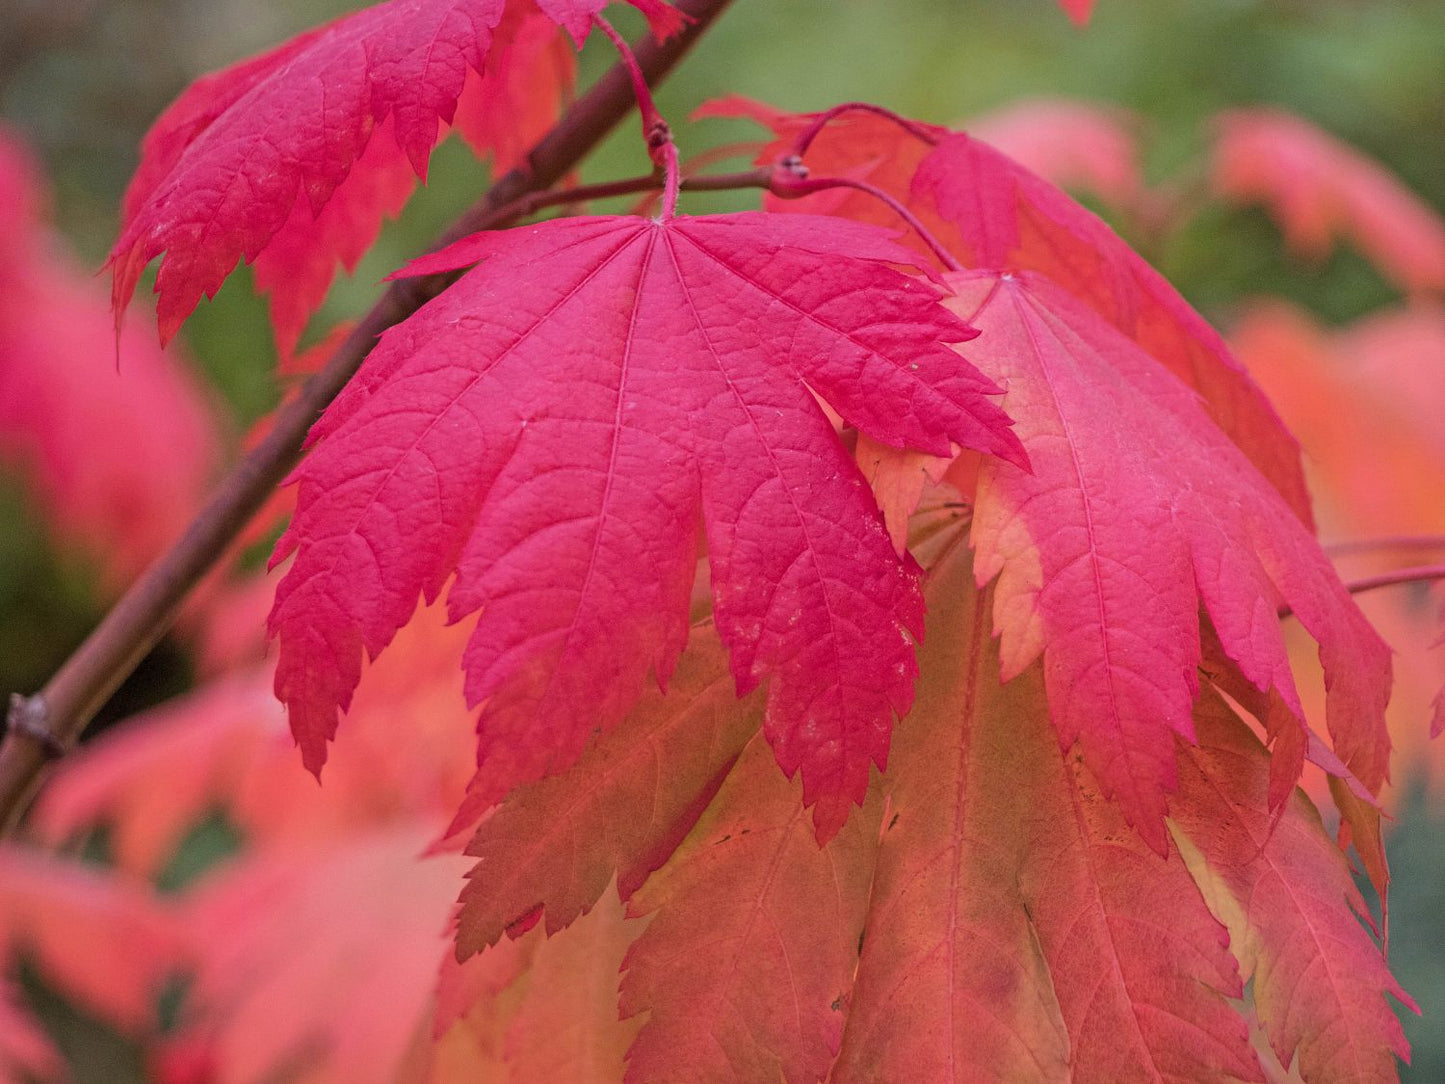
(1415, 574)
(655, 129)
(1391, 542)
(1418, 574)
(43, 726)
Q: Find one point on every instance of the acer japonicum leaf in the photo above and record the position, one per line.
(746, 962)
(552, 430)
(1137, 511)
(552, 848)
(545, 855)
(1014, 925)
(255, 156)
(1317, 187)
(1292, 909)
(1010, 218)
(994, 214)
(1018, 928)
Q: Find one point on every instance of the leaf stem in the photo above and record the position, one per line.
(651, 118)
(672, 170)
(660, 147)
(795, 185)
(1414, 574)
(41, 726)
(821, 121)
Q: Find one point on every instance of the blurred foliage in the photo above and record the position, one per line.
(82, 79)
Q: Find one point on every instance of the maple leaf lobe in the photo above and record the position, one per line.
(553, 429)
(1138, 512)
(260, 150)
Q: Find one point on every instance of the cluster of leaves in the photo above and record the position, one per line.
(957, 560)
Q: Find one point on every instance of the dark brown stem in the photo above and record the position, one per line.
(41, 726)
(530, 204)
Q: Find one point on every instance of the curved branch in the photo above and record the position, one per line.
(805, 138)
(42, 726)
(796, 186)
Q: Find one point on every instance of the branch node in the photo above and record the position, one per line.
(792, 165)
(30, 716)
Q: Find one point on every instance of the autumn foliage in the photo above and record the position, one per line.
(879, 636)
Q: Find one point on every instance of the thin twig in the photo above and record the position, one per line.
(1354, 546)
(528, 205)
(1415, 574)
(52, 720)
(805, 138)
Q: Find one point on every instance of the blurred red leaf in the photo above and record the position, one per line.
(318, 964)
(1073, 144)
(69, 403)
(1318, 187)
(102, 940)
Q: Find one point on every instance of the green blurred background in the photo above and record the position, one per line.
(82, 79)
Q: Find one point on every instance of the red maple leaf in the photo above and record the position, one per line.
(994, 214)
(1136, 511)
(1290, 904)
(1013, 926)
(687, 348)
(1017, 929)
(256, 154)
